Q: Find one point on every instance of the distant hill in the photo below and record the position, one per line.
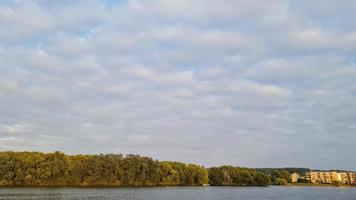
(300, 171)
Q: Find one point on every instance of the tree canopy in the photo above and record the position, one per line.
(59, 169)
(236, 176)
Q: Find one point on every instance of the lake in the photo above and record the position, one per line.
(182, 193)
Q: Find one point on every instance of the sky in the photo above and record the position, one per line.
(241, 82)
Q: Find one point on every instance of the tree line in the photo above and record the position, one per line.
(59, 169)
(237, 176)
(282, 176)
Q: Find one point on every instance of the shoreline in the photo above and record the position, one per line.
(316, 185)
(183, 186)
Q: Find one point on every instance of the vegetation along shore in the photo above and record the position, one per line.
(114, 170)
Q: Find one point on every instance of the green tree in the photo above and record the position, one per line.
(262, 179)
(280, 181)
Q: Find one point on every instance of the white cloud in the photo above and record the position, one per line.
(39, 21)
(14, 129)
(185, 77)
(259, 89)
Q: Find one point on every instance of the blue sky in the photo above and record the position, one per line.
(241, 82)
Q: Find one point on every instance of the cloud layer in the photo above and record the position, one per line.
(210, 82)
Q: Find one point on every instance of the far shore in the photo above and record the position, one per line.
(317, 185)
(183, 186)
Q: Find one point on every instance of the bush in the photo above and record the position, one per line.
(336, 183)
(303, 180)
(262, 179)
(280, 181)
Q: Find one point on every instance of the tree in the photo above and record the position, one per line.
(280, 181)
(262, 179)
(58, 169)
(336, 183)
(235, 176)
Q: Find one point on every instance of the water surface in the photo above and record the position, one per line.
(182, 193)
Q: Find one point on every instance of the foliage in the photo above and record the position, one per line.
(280, 181)
(290, 170)
(236, 176)
(262, 179)
(276, 175)
(336, 183)
(303, 180)
(58, 169)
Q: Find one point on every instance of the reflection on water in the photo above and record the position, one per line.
(181, 193)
